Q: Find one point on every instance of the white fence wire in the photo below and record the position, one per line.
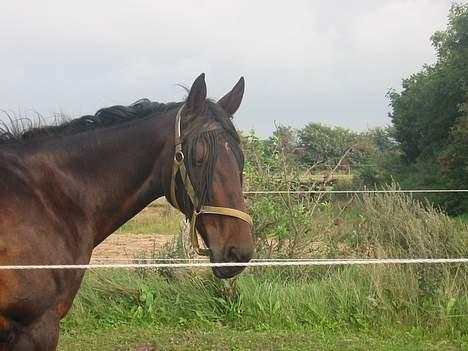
(302, 262)
(413, 191)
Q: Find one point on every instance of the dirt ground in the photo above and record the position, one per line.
(127, 246)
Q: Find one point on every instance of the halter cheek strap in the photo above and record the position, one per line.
(198, 209)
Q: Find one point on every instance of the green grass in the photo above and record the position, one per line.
(157, 218)
(225, 339)
(463, 218)
(351, 308)
(285, 298)
(412, 307)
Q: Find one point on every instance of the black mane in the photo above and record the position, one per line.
(23, 130)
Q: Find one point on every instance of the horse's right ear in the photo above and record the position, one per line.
(232, 100)
(197, 96)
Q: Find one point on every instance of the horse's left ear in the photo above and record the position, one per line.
(232, 100)
(197, 96)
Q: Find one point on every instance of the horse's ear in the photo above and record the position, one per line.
(197, 96)
(232, 100)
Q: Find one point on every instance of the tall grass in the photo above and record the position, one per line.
(349, 298)
(428, 298)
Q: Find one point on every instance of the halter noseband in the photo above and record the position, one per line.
(198, 208)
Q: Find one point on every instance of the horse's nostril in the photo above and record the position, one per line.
(235, 254)
(232, 254)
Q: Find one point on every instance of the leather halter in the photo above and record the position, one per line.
(198, 208)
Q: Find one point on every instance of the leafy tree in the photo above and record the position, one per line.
(379, 157)
(287, 137)
(458, 151)
(428, 114)
(325, 144)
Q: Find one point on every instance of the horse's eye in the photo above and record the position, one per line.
(197, 163)
(199, 155)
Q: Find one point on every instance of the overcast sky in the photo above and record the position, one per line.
(326, 61)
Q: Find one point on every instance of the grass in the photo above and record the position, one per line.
(413, 307)
(366, 225)
(225, 339)
(286, 309)
(158, 218)
(284, 298)
(463, 218)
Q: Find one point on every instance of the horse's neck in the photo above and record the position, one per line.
(109, 174)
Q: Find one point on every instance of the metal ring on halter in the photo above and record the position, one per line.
(179, 157)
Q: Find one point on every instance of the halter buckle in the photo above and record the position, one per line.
(179, 157)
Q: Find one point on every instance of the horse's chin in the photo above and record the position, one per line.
(227, 272)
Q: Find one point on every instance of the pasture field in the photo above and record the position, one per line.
(323, 308)
(286, 309)
(158, 218)
(223, 339)
(413, 307)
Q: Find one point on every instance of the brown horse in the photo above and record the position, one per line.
(65, 188)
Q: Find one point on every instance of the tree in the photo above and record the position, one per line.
(378, 157)
(457, 153)
(428, 114)
(325, 144)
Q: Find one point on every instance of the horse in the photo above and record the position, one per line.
(65, 188)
